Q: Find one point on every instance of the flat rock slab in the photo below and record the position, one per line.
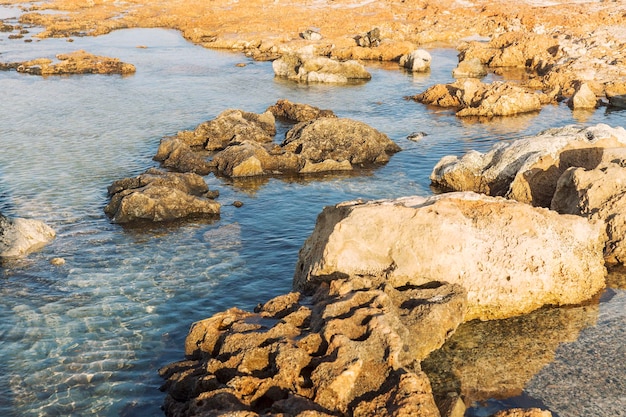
(510, 257)
(78, 62)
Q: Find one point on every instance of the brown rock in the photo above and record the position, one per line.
(159, 196)
(298, 112)
(79, 62)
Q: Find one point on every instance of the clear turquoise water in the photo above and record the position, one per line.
(88, 337)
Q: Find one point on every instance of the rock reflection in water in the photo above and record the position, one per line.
(496, 359)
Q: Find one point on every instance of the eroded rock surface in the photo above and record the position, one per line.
(470, 97)
(511, 258)
(159, 196)
(19, 236)
(79, 62)
(353, 348)
(322, 143)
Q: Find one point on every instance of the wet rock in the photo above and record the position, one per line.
(598, 194)
(417, 136)
(176, 154)
(319, 69)
(583, 98)
(78, 62)
(350, 349)
(470, 68)
(298, 112)
(417, 61)
(618, 100)
(231, 126)
(473, 98)
(159, 196)
(249, 159)
(19, 236)
(510, 257)
(339, 139)
(527, 169)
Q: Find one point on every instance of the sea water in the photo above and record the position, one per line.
(87, 338)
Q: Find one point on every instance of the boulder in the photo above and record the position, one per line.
(350, 349)
(583, 98)
(231, 126)
(339, 139)
(19, 236)
(527, 169)
(159, 196)
(598, 194)
(510, 257)
(470, 68)
(417, 61)
(298, 112)
(319, 69)
(249, 159)
(78, 62)
(474, 98)
(617, 100)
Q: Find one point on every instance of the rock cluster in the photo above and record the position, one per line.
(471, 97)
(352, 348)
(79, 62)
(512, 258)
(319, 69)
(572, 170)
(244, 147)
(19, 236)
(159, 196)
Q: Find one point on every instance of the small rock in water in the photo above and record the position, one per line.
(417, 136)
(57, 261)
(237, 203)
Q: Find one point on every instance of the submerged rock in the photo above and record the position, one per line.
(510, 257)
(319, 69)
(159, 196)
(19, 236)
(350, 349)
(78, 62)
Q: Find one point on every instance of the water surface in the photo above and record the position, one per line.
(88, 337)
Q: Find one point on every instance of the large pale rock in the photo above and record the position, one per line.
(417, 61)
(339, 139)
(583, 98)
(160, 196)
(512, 258)
(470, 68)
(527, 169)
(351, 349)
(319, 69)
(598, 194)
(19, 236)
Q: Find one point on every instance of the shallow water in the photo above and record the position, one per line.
(88, 337)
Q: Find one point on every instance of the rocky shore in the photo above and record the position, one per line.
(379, 287)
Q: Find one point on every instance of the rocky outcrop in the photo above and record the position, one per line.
(527, 169)
(319, 144)
(353, 348)
(510, 257)
(319, 69)
(19, 236)
(417, 61)
(598, 194)
(473, 98)
(160, 196)
(79, 62)
(297, 112)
